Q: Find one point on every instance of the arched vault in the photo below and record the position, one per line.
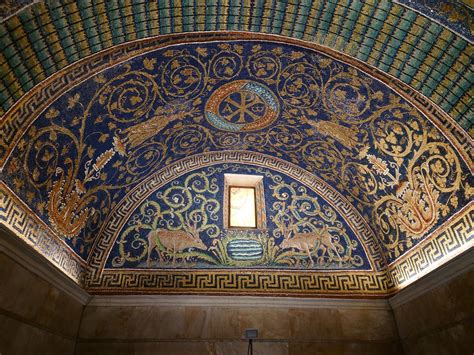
(121, 122)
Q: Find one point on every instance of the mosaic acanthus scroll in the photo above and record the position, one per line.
(103, 137)
(181, 225)
(416, 207)
(172, 222)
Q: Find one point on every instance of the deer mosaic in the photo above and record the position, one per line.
(174, 241)
(313, 242)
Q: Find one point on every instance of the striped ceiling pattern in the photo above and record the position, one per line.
(45, 37)
(458, 15)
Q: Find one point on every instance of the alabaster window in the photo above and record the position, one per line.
(244, 201)
(242, 209)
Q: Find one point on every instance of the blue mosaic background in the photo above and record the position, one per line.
(199, 196)
(90, 147)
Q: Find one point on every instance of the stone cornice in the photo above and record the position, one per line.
(238, 301)
(442, 275)
(32, 261)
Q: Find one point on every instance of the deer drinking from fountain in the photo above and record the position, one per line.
(174, 241)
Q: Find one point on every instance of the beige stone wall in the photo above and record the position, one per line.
(35, 317)
(440, 321)
(219, 330)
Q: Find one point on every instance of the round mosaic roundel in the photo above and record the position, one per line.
(242, 105)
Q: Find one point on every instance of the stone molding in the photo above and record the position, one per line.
(32, 261)
(238, 301)
(442, 275)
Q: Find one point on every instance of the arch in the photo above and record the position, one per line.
(448, 139)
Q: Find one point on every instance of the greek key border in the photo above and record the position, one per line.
(250, 282)
(15, 216)
(449, 240)
(114, 222)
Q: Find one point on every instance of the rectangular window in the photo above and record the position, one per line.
(242, 207)
(244, 203)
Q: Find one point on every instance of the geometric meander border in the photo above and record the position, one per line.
(113, 224)
(16, 217)
(451, 239)
(241, 282)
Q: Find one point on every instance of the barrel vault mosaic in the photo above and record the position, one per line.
(398, 37)
(126, 170)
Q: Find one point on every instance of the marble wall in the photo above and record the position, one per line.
(440, 321)
(35, 317)
(219, 330)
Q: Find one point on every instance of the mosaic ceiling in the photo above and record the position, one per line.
(429, 56)
(457, 15)
(114, 168)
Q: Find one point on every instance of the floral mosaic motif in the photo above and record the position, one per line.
(415, 207)
(173, 222)
(94, 144)
(181, 225)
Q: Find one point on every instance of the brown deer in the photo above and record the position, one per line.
(174, 241)
(319, 240)
(329, 244)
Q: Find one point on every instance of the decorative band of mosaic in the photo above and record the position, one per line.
(21, 221)
(448, 241)
(240, 282)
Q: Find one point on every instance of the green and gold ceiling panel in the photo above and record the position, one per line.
(456, 15)
(46, 36)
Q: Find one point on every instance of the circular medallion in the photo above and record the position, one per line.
(242, 105)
